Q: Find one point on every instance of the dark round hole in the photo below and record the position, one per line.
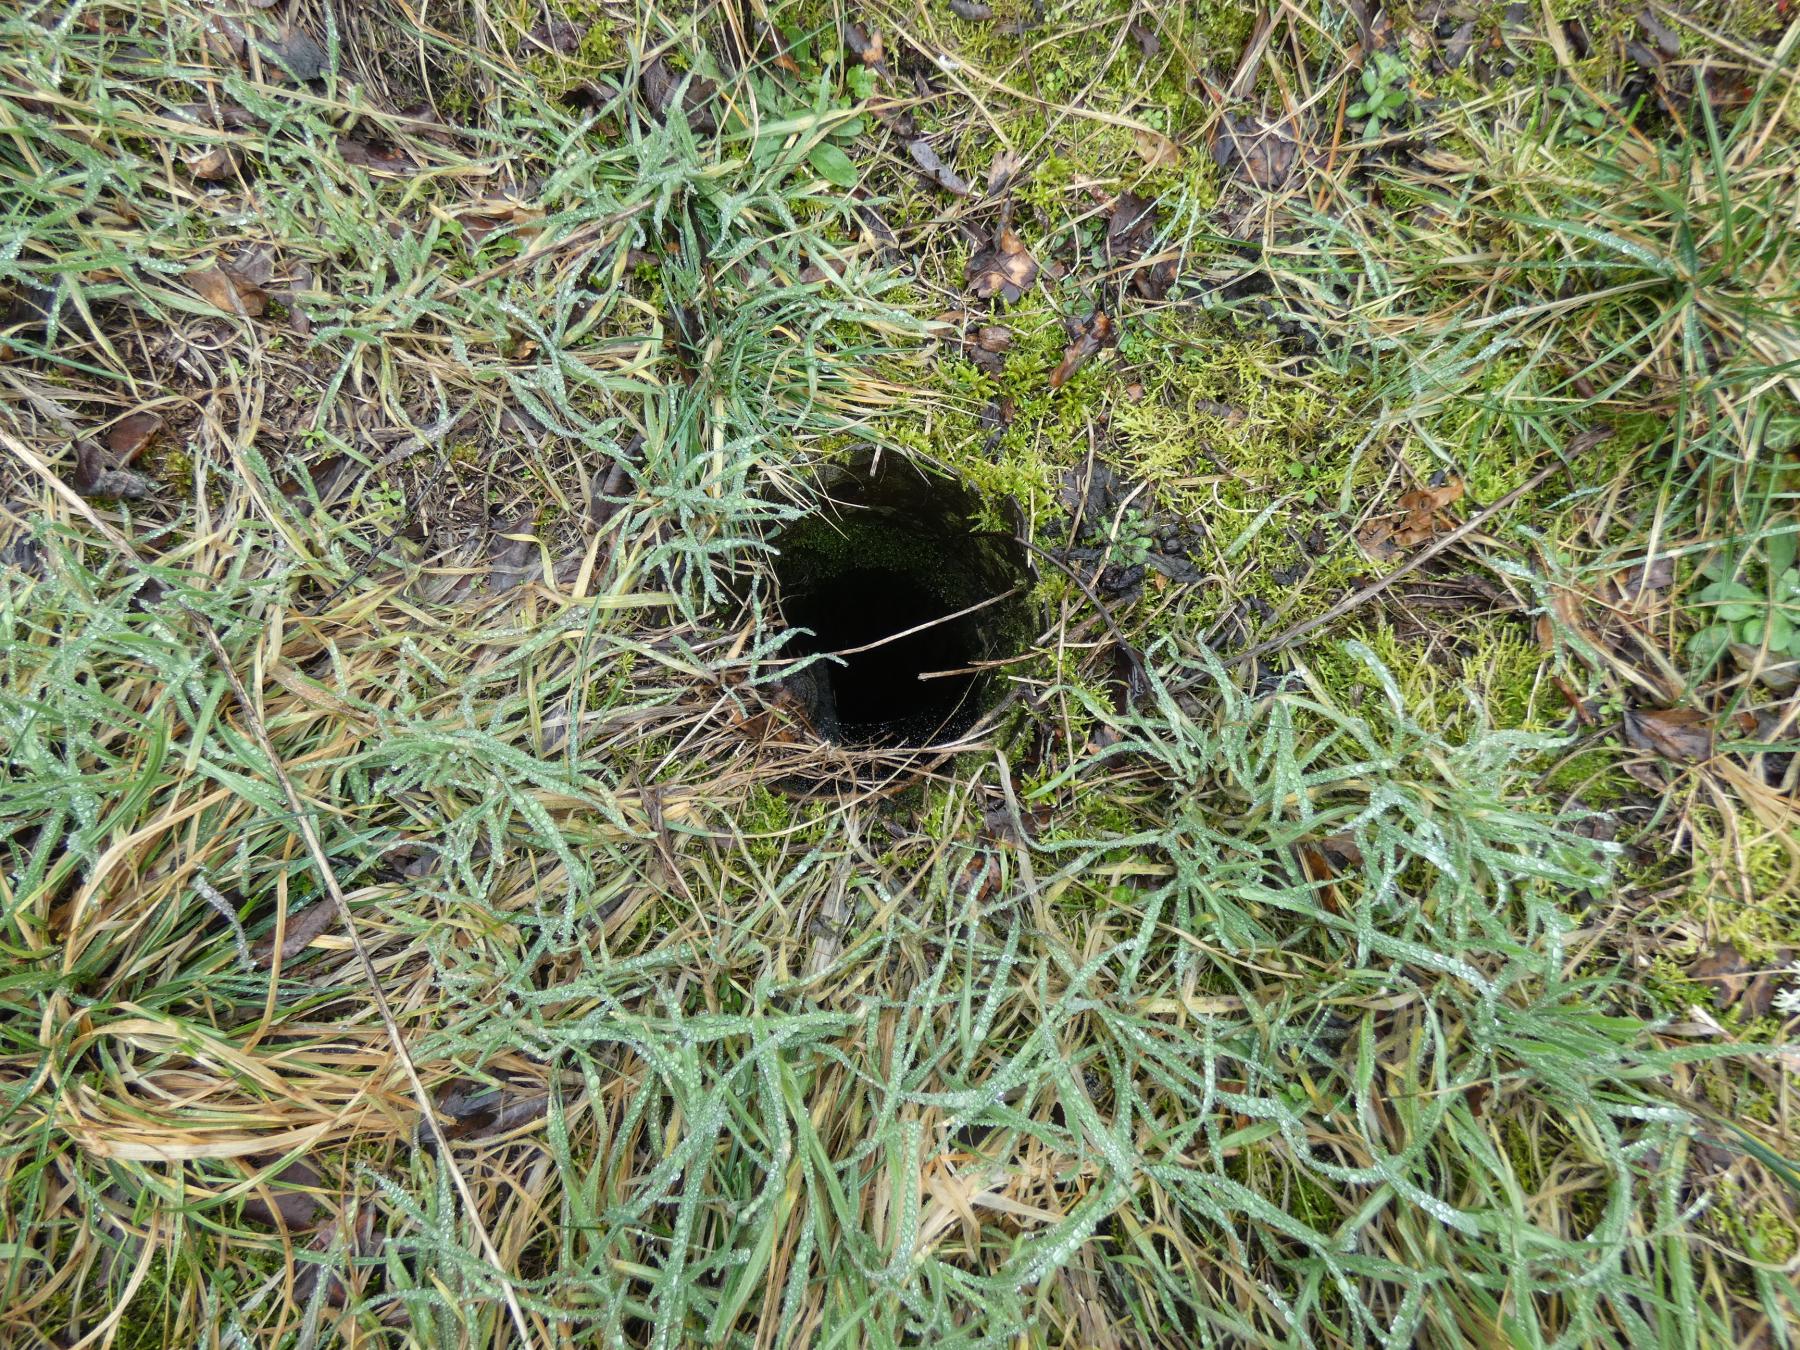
(882, 579)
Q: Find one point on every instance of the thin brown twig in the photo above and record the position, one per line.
(302, 822)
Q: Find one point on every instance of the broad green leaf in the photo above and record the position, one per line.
(1705, 646)
(1779, 550)
(1732, 600)
(833, 165)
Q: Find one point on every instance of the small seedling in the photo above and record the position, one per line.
(1384, 78)
(1747, 616)
(1585, 117)
(1131, 546)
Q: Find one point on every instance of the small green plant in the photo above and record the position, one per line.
(1747, 616)
(1384, 77)
(1129, 545)
(1584, 116)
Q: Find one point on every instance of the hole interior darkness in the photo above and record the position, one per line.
(896, 550)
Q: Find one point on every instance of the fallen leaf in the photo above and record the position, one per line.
(217, 163)
(361, 1244)
(1262, 152)
(477, 1112)
(131, 433)
(1422, 516)
(482, 218)
(366, 156)
(1131, 677)
(1456, 48)
(941, 173)
(1324, 860)
(1155, 149)
(1130, 230)
(556, 35)
(287, 1205)
(1736, 983)
(1095, 333)
(1681, 734)
(864, 44)
(1090, 493)
(1130, 227)
(977, 880)
(1425, 510)
(1634, 585)
(1585, 712)
(1565, 605)
(1666, 39)
(972, 10)
(96, 475)
(1001, 824)
(771, 36)
(1004, 268)
(512, 557)
(225, 289)
(660, 86)
(224, 38)
(879, 230)
(223, 116)
(1003, 170)
(298, 53)
(996, 414)
(302, 928)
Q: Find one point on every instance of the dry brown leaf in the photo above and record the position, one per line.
(131, 433)
(1636, 586)
(1681, 734)
(1155, 149)
(225, 289)
(1003, 171)
(476, 1111)
(1095, 333)
(302, 928)
(224, 116)
(555, 35)
(286, 1205)
(1262, 152)
(660, 84)
(1324, 860)
(224, 38)
(1004, 268)
(1735, 982)
(361, 1243)
(1130, 230)
(215, 164)
(941, 173)
(864, 44)
(1423, 515)
(298, 53)
(96, 475)
(482, 218)
(372, 157)
(987, 347)
(783, 59)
